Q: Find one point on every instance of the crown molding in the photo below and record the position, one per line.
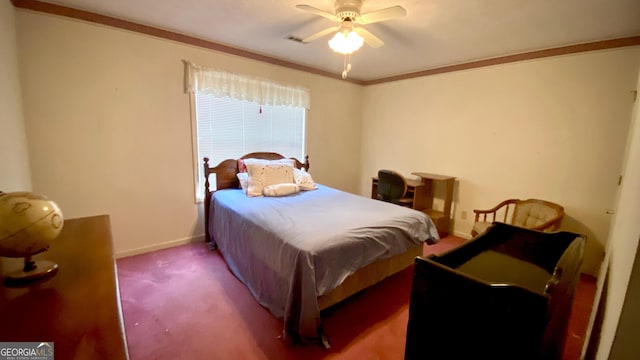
(60, 10)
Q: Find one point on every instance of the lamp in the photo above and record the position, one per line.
(346, 41)
(28, 223)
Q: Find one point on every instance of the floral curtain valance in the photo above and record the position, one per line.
(262, 91)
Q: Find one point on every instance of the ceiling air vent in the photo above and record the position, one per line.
(294, 38)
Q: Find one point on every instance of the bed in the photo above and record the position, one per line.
(302, 253)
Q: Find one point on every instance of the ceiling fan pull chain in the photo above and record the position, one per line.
(347, 65)
(344, 72)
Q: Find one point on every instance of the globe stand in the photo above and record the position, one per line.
(31, 272)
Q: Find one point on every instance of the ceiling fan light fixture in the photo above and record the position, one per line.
(346, 41)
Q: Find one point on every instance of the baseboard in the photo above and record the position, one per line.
(462, 234)
(160, 246)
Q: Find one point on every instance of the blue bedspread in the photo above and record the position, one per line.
(290, 250)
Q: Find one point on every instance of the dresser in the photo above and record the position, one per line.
(78, 309)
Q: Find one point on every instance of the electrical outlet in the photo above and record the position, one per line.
(463, 215)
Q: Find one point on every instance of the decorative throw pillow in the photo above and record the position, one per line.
(242, 163)
(303, 180)
(242, 167)
(280, 189)
(243, 177)
(265, 174)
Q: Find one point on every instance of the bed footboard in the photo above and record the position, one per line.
(368, 276)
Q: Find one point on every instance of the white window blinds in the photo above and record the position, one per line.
(229, 128)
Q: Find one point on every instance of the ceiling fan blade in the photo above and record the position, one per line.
(322, 33)
(389, 13)
(317, 11)
(369, 38)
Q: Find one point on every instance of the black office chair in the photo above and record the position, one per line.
(392, 187)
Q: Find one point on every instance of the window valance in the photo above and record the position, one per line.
(262, 91)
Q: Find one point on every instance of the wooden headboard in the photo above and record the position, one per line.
(226, 178)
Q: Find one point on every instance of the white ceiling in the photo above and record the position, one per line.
(434, 33)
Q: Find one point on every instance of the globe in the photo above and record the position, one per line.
(28, 224)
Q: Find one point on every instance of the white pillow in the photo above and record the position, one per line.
(303, 180)
(243, 177)
(280, 189)
(265, 174)
(242, 164)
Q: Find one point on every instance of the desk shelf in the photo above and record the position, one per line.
(442, 219)
(438, 217)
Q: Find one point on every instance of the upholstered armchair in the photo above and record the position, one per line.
(533, 214)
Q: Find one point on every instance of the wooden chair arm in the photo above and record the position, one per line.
(497, 207)
(493, 210)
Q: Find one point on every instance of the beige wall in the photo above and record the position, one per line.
(14, 159)
(109, 126)
(553, 128)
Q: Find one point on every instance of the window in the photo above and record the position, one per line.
(228, 120)
(227, 128)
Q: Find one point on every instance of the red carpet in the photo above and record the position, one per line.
(183, 303)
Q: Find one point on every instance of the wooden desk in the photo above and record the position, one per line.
(79, 308)
(442, 219)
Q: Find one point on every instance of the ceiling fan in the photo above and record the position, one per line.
(348, 37)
